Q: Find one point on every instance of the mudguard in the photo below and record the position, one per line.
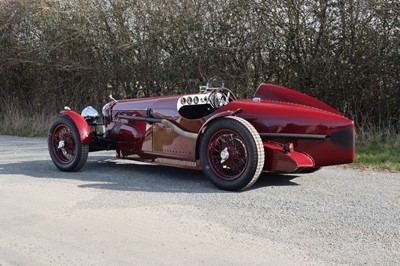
(81, 124)
(212, 118)
(220, 114)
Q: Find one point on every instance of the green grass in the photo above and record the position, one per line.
(379, 152)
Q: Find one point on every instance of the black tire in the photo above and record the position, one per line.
(232, 153)
(65, 147)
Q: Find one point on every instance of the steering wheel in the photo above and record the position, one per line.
(220, 97)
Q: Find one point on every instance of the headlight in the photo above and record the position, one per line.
(89, 112)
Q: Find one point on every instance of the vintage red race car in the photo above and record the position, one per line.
(233, 141)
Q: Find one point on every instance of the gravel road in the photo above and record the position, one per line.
(115, 212)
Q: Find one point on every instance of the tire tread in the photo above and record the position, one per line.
(260, 149)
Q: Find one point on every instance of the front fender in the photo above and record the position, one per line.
(81, 124)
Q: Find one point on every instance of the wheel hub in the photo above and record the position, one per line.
(61, 144)
(224, 155)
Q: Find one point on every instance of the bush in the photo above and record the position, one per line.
(55, 53)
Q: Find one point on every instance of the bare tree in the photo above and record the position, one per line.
(344, 52)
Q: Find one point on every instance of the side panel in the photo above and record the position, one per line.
(82, 125)
(168, 143)
(157, 140)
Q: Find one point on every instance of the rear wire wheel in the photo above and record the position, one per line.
(65, 147)
(232, 153)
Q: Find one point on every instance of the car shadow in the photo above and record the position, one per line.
(275, 179)
(105, 172)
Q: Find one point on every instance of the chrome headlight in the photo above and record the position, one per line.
(89, 113)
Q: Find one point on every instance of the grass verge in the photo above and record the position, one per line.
(29, 121)
(24, 132)
(379, 151)
(19, 124)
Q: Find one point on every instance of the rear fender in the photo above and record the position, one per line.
(212, 118)
(81, 124)
(279, 160)
(220, 114)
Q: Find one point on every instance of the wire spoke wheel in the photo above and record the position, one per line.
(63, 143)
(227, 154)
(231, 153)
(65, 148)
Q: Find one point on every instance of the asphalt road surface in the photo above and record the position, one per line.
(115, 212)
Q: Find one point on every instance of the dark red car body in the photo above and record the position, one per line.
(297, 133)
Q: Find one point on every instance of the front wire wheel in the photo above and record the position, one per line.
(232, 153)
(66, 150)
